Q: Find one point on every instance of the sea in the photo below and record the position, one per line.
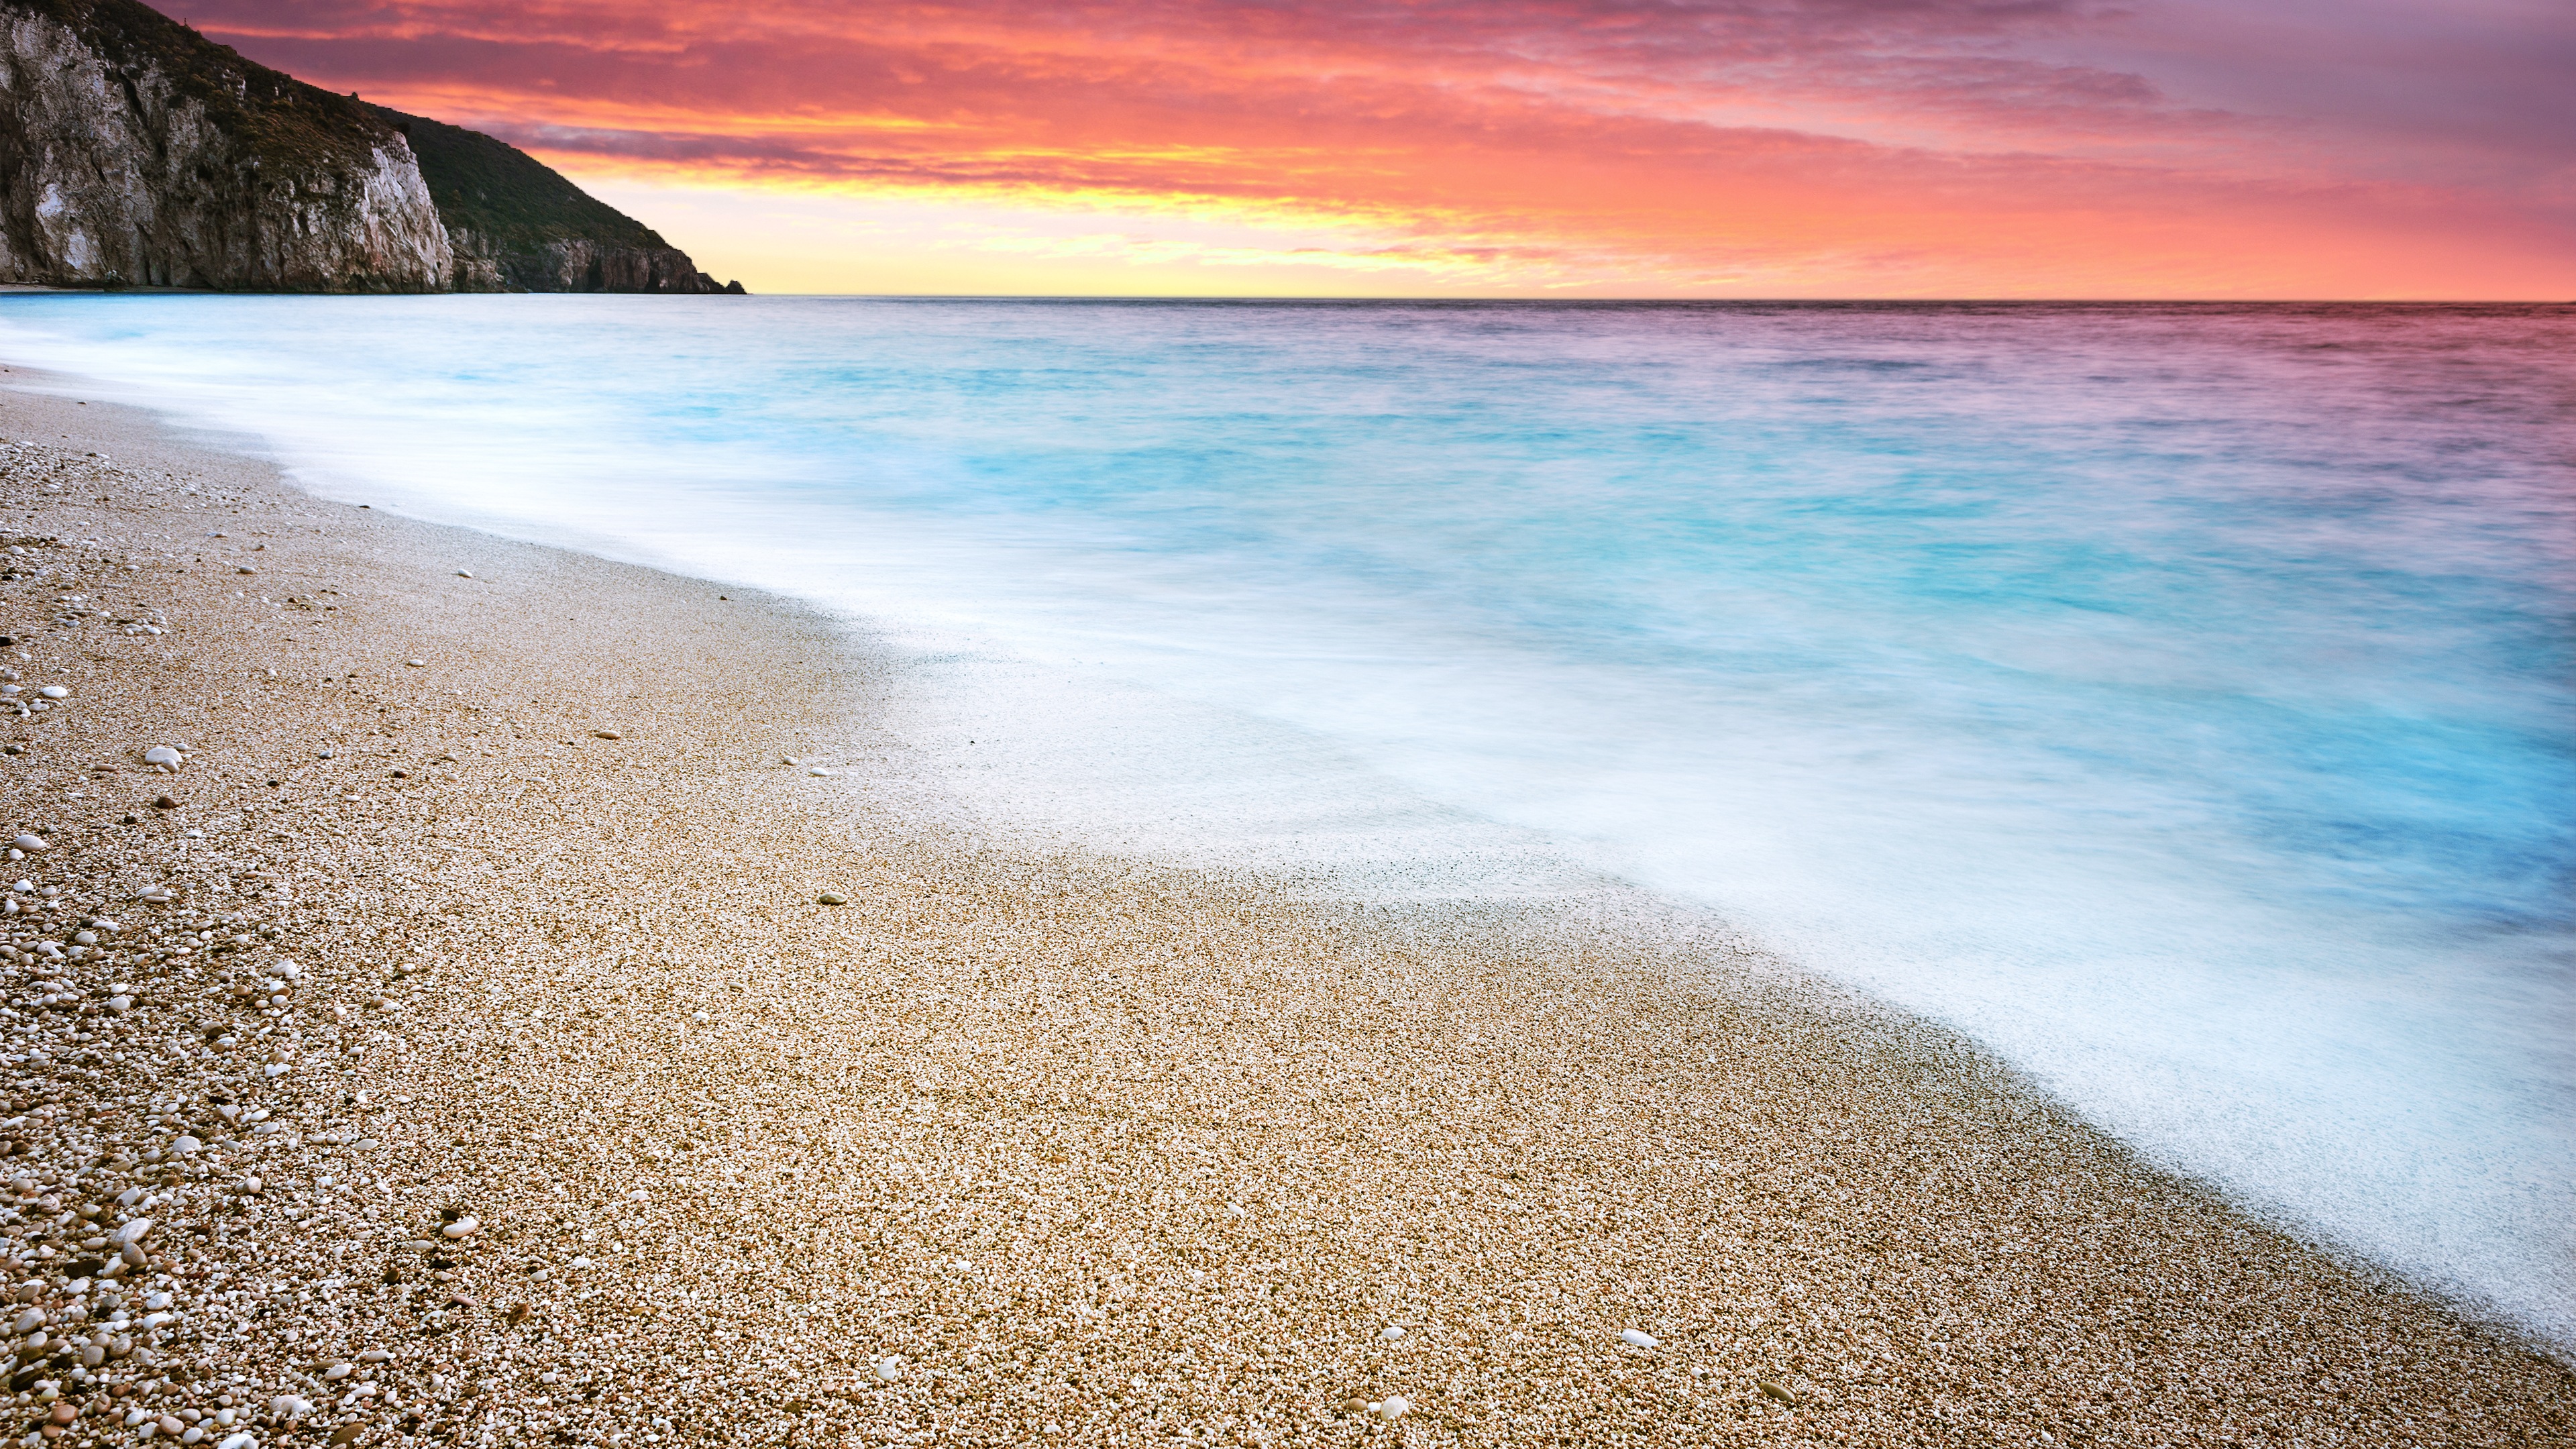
(2178, 701)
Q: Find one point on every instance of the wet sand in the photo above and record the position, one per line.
(588, 1121)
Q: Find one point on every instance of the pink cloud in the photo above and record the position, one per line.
(1959, 128)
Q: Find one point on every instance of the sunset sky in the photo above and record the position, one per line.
(2162, 148)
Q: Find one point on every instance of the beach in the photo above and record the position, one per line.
(649, 1073)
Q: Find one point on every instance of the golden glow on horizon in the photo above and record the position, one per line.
(807, 238)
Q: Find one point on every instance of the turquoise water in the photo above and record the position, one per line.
(2178, 699)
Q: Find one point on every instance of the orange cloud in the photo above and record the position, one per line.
(1751, 147)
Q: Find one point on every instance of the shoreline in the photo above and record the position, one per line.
(1114, 1148)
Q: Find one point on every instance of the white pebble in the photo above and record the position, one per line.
(1635, 1339)
(890, 1367)
(463, 1227)
(162, 755)
(55, 691)
(187, 1146)
(242, 1440)
(29, 842)
(1391, 1408)
(1392, 1333)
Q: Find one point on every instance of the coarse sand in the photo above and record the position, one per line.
(495, 1073)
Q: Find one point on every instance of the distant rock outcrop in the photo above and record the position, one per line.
(518, 226)
(134, 151)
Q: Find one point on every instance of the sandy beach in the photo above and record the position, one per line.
(505, 1035)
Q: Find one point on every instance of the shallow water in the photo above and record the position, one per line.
(2177, 699)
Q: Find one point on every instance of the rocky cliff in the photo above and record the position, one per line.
(518, 226)
(135, 152)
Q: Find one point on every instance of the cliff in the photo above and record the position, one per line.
(135, 151)
(518, 226)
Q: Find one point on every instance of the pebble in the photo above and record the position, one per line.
(606, 735)
(29, 842)
(116, 1087)
(1772, 1390)
(55, 691)
(463, 1227)
(415, 664)
(465, 573)
(1392, 1333)
(163, 755)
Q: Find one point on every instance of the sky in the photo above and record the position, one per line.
(1568, 148)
